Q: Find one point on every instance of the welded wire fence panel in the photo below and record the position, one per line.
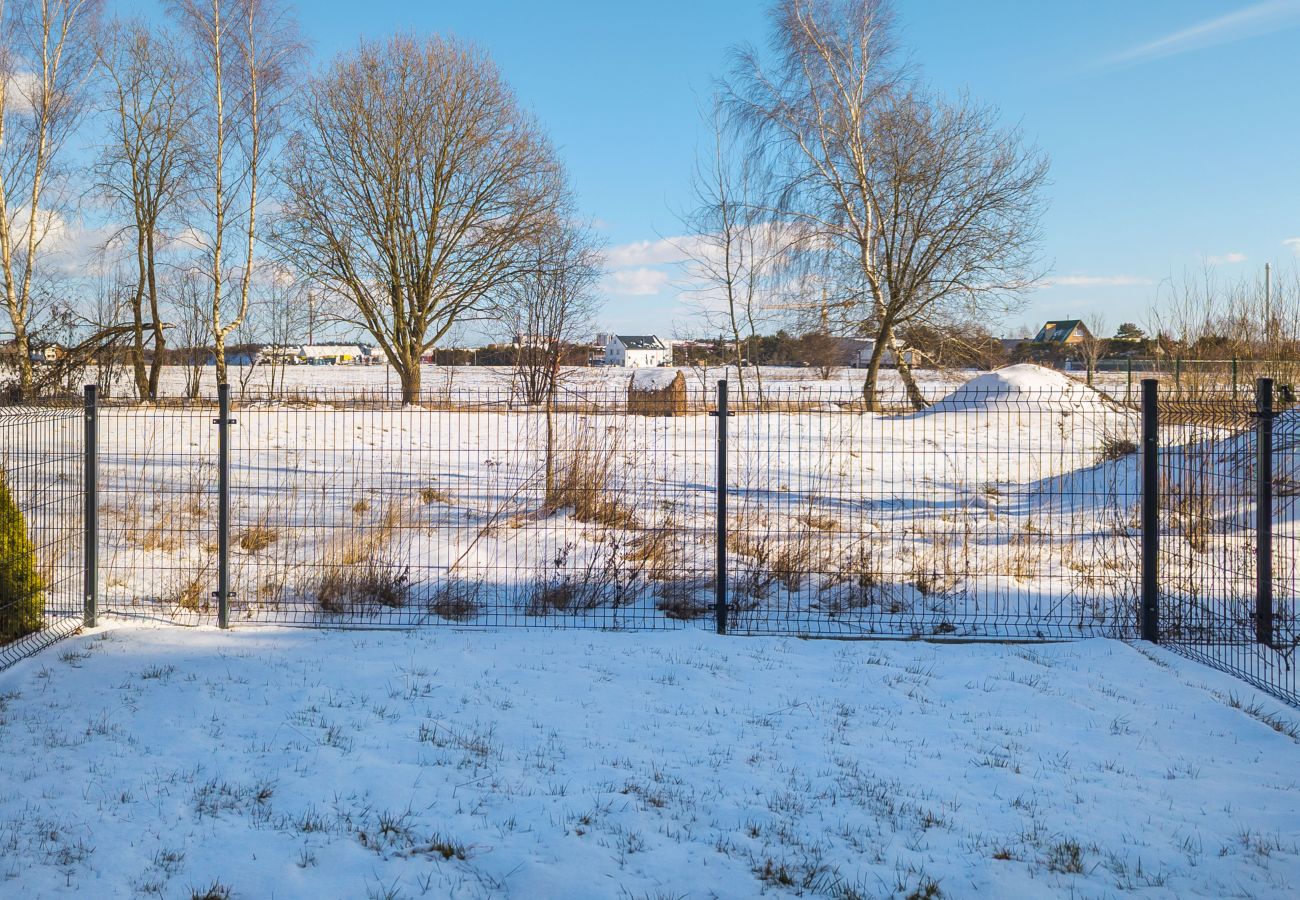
(478, 509)
(157, 510)
(1282, 678)
(1209, 538)
(1000, 509)
(41, 526)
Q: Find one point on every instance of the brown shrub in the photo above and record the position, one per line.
(585, 480)
(257, 538)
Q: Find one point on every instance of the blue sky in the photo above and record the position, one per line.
(1171, 124)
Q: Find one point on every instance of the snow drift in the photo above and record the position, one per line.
(1023, 386)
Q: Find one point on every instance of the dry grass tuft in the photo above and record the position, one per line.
(363, 574)
(586, 480)
(457, 600)
(680, 599)
(362, 587)
(434, 495)
(257, 538)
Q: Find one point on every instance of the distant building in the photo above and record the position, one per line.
(336, 354)
(1063, 331)
(300, 355)
(638, 351)
(48, 354)
(858, 352)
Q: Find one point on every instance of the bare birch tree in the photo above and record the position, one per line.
(734, 246)
(917, 204)
(248, 52)
(417, 186)
(145, 170)
(47, 52)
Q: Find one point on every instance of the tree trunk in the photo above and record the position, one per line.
(870, 392)
(409, 374)
(26, 378)
(219, 348)
(159, 339)
(914, 395)
(550, 447)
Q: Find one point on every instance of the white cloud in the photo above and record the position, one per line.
(1294, 244)
(638, 282)
(1252, 21)
(650, 253)
(21, 91)
(1097, 281)
(1227, 259)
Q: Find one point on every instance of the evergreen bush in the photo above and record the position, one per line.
(22, 597)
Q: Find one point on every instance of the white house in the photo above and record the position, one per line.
(857, 353)
(639, 351)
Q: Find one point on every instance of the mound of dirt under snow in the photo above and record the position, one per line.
(1023, 386)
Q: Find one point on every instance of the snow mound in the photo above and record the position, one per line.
(1023, 385)
(653, 379)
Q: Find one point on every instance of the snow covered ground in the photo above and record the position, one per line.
(145, 761)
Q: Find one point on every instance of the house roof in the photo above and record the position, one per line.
(1058, 330)
(640, 341)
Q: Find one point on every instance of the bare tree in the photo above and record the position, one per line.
(549, 309)
(195, 329)
(145, 169)
(734, 247)
(919, 206)
(1094, 343)
(46, 55)
(248, 51)
(417, 188)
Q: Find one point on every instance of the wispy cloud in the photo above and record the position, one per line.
(1226, 259)
(1252, 21)
(664, 251)
(640, 282)
(1098, 281)
(1294, 244)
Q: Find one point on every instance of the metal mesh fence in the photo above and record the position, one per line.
(993, 512)
(474, 510)
(1211, 533)
(1000, 510)
(41, 533)
(157, 510)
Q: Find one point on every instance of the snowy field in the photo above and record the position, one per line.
(465, 381)
(1006, 508)
(164, 762)
(998, 510)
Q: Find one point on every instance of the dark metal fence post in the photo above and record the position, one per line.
(223, 423)
(1264, 510)
(720, 610)
(90, 591)
(1150, 612)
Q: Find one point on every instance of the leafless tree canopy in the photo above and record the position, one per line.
(47, 52)
(246, 55)
(916, 205)
(549, 309)
(145, 170)
(418, 188)
(736, 248)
